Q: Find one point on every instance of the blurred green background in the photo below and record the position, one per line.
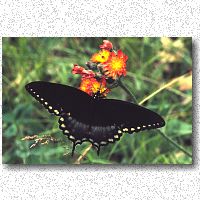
(152, 62)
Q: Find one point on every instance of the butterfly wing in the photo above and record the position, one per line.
(70, 104)
(120, 117)
(127, 115)
(110, 118)
(82, 118)
(60, 99)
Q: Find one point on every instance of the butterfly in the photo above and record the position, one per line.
(92, 118)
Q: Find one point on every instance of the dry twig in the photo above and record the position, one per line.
(43, 140)
(83, 154)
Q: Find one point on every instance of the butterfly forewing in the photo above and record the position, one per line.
(59, 99)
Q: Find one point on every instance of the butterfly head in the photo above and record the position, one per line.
(101, 89)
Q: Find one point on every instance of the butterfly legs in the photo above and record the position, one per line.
(98, 150)
(73, 148)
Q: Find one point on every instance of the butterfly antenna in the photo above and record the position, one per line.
(99, 86)
(101, 83)
(103, 77)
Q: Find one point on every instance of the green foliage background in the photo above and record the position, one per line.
(52, 59)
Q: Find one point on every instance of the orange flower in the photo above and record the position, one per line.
(116, 65)
(82, 71)
(185, 83)
(101, 57)
(92, 86)
(107, 45)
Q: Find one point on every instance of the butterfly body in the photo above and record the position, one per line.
(92, 118)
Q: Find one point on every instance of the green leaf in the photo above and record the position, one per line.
(177, 127)
(10, 131)
(8, 118)
(100, 161)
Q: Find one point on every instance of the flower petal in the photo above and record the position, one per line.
(77, 69)
(92, 86)
(106, 45)
(101, 57)
(83, 72)
(116, 65)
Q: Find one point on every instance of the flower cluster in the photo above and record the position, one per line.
(104, 67)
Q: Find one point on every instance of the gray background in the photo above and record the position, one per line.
(105, 18)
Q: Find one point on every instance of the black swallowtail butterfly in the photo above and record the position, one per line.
(92, 118)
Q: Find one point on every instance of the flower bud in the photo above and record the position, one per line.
(107, 45)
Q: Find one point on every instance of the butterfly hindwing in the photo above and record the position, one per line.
(79, 132)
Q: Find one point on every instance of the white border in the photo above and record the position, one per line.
(105, 18)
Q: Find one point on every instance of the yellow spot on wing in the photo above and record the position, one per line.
(62, 119)
(63, 126)
(56, 112)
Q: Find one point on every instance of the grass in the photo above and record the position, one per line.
(51, 59)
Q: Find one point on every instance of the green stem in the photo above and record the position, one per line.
(124, 87)
(175, 144)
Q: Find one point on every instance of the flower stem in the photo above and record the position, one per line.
(124, 87)
(174, 143)
(150, 96)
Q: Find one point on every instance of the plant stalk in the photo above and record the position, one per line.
(174, 143)
(124, 87)
(148, 97)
